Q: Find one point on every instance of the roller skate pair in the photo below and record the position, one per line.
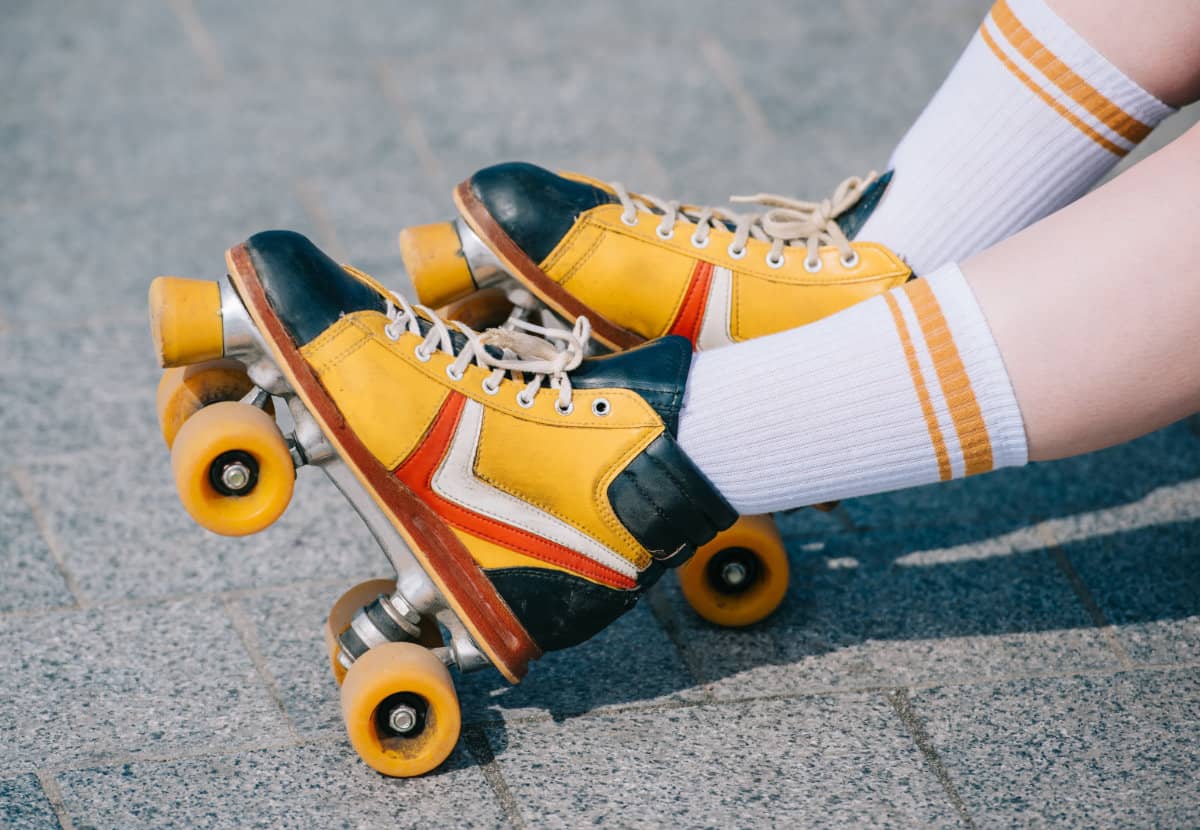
(525, 495)
(528, 243)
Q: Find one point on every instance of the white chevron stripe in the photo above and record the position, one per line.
(714, 328)
(455, 481)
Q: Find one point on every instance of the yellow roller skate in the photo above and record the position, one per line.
(525, 496)
(639, 267)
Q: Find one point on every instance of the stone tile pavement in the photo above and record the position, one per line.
(1018, 649)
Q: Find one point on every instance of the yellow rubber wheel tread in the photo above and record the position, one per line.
(185, 320)
(404, 671)
(434, 259)
(224, 430)
(755, 546)
(185, 390)
(343, 611)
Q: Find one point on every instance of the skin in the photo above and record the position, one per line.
(1096, 309)
(1156, 43)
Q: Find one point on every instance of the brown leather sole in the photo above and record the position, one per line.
(532, 277)
(465, 587)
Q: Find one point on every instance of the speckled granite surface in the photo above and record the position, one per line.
(1019, 649)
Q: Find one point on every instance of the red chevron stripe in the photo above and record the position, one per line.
(418, 470)
(691, 310)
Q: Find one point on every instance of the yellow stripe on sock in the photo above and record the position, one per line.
(952, 376)
(918, 379)
(1049, 99)
(1066, 79)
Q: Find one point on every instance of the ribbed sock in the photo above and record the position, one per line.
(1028, 120)
(904, 389)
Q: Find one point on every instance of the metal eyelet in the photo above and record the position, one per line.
(631, 221)
(564, 410)
(698, 243)
(421, 355)
(523, 402)
(850, 261)
(391, 333)
(488, 389)
(450, 373)
(670, 234)
(601, 407)
(775, 262)
(738, 254)
(812, 266)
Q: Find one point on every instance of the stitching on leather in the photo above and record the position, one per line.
(586, 256)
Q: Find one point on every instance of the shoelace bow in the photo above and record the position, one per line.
(548, 355)
(786, 223)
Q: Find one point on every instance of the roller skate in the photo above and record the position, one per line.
(524, 495)
(560, 246)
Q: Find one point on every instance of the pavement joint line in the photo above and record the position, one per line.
(684, 703)
(246, 633)
(902, 704)
(309, 196)
(1084, 595)
(25, 487)
(26, 327)
(664, 615)
(476, 741)
(201, 39)
(55, 797)
(725, 68)
(414, 133)
(120, 759)
(331, 736)
(161, 599)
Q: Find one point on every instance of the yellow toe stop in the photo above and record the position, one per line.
(185, 321)
(436, 264)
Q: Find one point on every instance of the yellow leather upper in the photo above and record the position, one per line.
(638, 280)
(562, 464)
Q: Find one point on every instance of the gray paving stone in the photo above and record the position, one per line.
(76, 386)
(1112, 751)
(85, 687)
(29, 577)
(858, 615)
(1147, 584)
(630, 664)
(1109, 478)
(844, 761)
(313, 785)
(156, 550)
(24, 806)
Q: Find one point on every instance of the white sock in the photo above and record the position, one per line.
(1028, 120)
(903, 389)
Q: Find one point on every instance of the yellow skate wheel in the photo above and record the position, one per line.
(483, 309)
(740, 577)
(185, 390)
(400, 709)
(343, 612)
(185, 321)
(434, 259)
(232, 468)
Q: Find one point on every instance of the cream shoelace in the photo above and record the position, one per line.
(786, 223)
(544, 353)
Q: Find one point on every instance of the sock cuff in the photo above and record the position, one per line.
(969, 387)
(1054, 61)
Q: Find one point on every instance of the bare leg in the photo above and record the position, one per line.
(1096, 309)
(1157, 44)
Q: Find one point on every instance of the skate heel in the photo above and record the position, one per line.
(185, 321)
(434, 257)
